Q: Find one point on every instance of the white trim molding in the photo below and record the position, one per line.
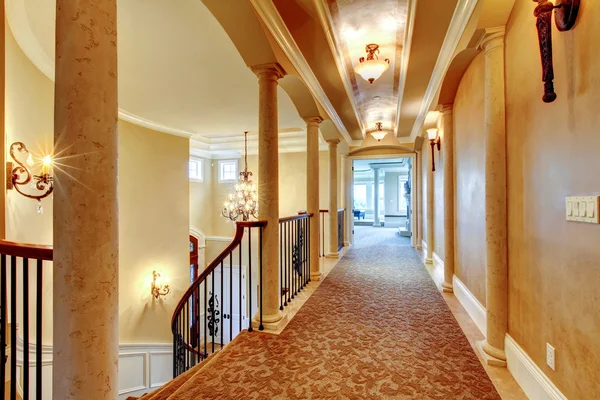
(473, 307)
(270, 17)
(533, 381)
(462, 14)
(437, 261)
(406, 46)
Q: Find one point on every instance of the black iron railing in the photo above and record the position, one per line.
(294, 256)
(341, 213)
(322, 239)
(19, 263)
(219, 303)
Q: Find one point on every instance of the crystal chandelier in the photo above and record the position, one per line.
(379, 133)
(243, 202)
(371, 68)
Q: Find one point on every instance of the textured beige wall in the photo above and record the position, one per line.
(554, 265)
(29, 119)
(153, 229)
(201, 207)
(469, 177)
(425, 166)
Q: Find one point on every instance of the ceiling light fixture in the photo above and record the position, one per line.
(379, 133)
(372, 68)
(243, 202)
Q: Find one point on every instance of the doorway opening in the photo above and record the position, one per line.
(382, 194)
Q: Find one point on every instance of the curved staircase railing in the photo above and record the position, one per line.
(220, 302)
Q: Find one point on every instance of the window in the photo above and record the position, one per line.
(360, 196)
(196, 170)
(402, 200)
(228, 170)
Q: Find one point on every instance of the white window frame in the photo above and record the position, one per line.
(235, 178)
(200, 176)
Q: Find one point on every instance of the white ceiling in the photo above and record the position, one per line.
(178, 70)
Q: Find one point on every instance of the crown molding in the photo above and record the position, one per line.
(146, 123)
(407, 45)
(269, 15)
(327, 23)
(462, 13)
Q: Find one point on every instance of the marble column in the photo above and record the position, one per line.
(86, 218)
(495, 200)
(448, 151)
(333, 199)
(348, 201)
(376, 221)
(312, 192)
(430, 202)
(419, 199)
(268, 193)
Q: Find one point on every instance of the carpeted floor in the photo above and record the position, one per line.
(377, 327)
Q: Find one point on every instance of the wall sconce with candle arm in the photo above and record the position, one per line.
(434, 140)
(159, 286)
(565, 16)
(20, 174)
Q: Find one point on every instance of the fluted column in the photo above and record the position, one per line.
(376, 221)
(348, 188)
(495, 200)
(448, 150)
(333, 199)
(430, 202)
(268, 184)
(419, 198)
(312, 192)
(86, 225)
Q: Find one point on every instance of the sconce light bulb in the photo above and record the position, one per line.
(432, 133)
(47, 160)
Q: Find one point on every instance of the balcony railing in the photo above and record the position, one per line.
(19, 264)
(294, 256)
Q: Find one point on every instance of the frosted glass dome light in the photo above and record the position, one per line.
(371, 68)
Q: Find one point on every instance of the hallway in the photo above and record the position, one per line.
(377, 327)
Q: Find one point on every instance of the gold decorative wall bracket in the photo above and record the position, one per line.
(565, 16)
(18, 174)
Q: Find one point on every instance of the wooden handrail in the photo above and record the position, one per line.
(25, 250)
(237, 239)
(326, 211)
(302, 215)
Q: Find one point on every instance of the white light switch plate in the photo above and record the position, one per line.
(582, 209)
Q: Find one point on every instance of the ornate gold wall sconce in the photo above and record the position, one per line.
(565, 15)
(159, 286)
(434, 140)
(20, 174)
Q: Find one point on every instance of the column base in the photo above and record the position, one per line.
(419, 247)
(271, 322)
(346, 244)
(335, 255)
(447, 287)
(428, 260)
(315, 276)
(377, 224)
(491, 355)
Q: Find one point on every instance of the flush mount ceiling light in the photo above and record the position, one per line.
(371, 68)
(379, 133)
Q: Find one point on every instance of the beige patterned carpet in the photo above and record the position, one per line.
(376, 328)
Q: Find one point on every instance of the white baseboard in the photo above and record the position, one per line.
(424, 252)
(474, 308)
(535, 384)
(437, 261)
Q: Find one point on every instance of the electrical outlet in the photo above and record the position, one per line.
(550, 359)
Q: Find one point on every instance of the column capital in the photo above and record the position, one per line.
(272, 71)
(447, 108)
(333, 143)
(313, 120)
(491, 39)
